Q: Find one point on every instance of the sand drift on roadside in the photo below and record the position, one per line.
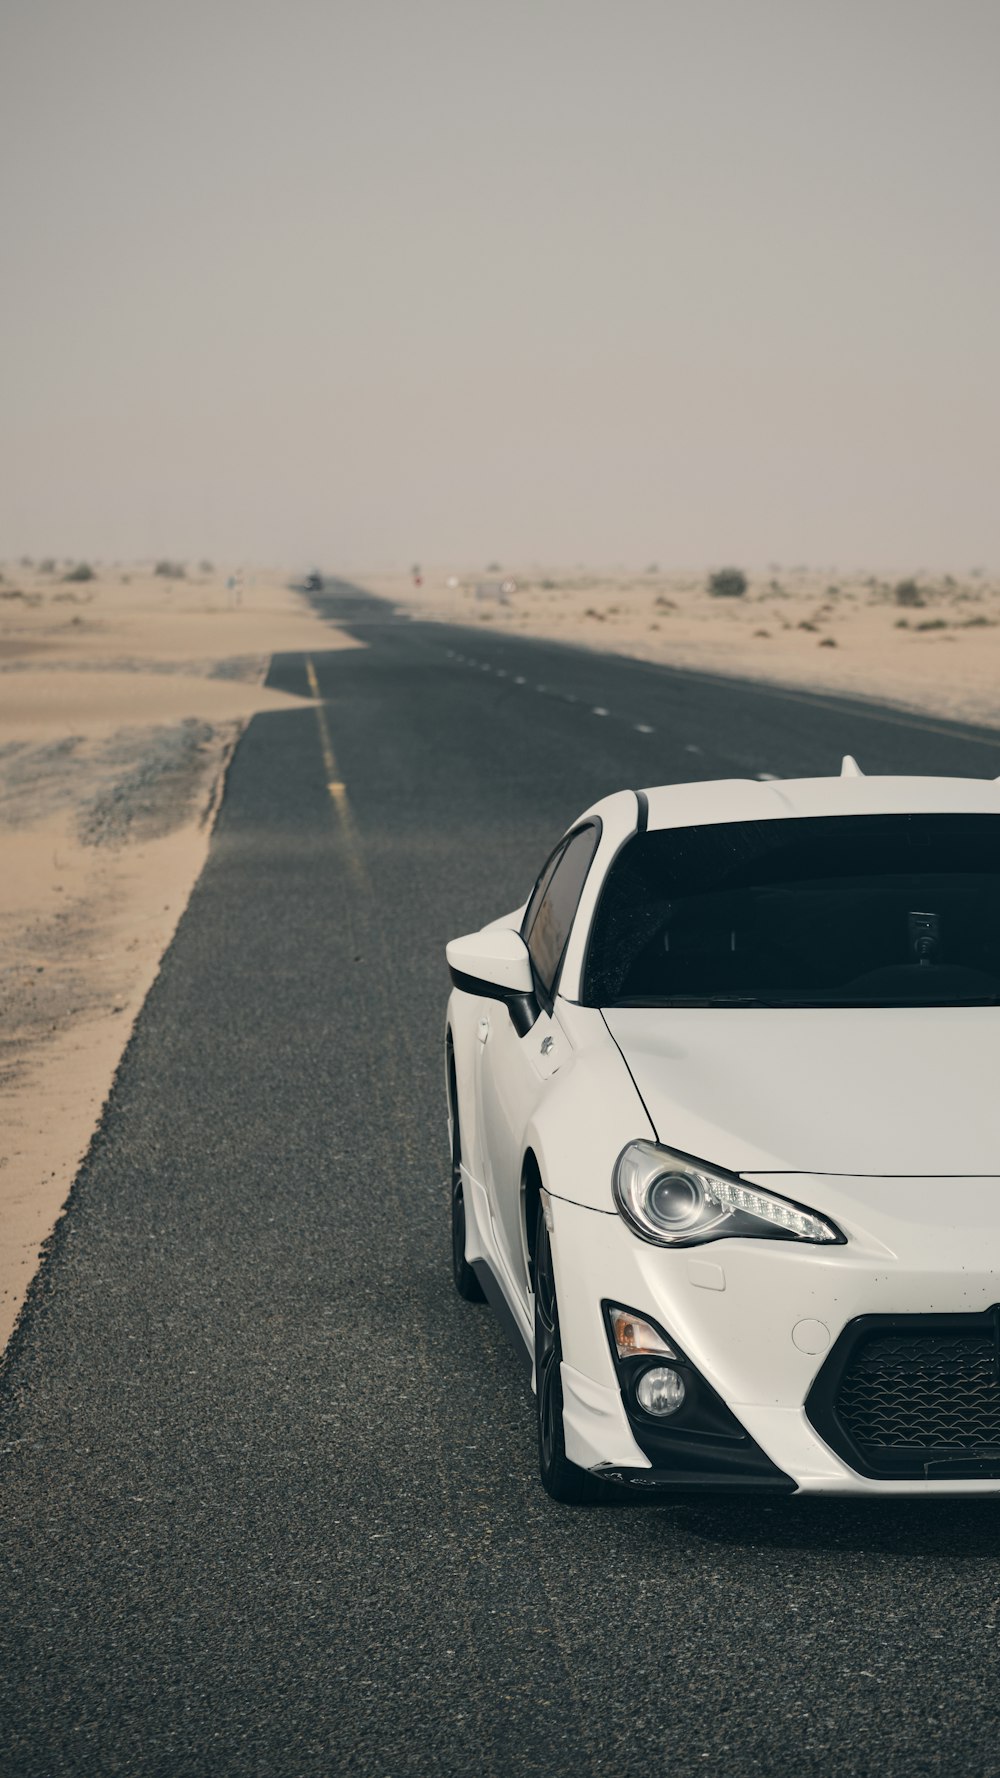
(120, 703)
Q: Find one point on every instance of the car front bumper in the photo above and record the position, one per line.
(759, 1318)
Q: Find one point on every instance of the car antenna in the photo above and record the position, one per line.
(849, 767)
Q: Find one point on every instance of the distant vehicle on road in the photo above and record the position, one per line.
(725, 1138)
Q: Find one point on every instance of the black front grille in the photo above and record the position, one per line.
(911, 1395)
(932, 1392)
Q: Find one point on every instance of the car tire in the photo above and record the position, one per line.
(466, 1282)
(564, 1481)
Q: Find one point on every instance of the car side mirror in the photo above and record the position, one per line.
(495, 965)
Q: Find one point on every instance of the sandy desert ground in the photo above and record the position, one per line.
(121, 698)
(925, 642)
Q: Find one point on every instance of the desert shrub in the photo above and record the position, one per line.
(932, 623)
(907, 592)
(491, 568)
(82, 571)
(727, 583)
(170, 570)
(548, 586)
(48, 566)
(207, 567)
(828, 642)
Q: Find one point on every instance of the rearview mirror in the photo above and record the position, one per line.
(495, 964)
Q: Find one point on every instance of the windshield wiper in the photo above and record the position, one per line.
(722, 1000)
(699, 1000)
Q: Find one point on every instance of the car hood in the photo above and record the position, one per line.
(870, 1090)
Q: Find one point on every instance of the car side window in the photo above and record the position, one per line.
(553, 906)
(544, 879)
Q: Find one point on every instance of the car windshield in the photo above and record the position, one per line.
(847, 910)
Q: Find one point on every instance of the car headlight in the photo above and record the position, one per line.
(679, 1202)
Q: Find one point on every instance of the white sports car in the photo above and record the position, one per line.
(724, 1120)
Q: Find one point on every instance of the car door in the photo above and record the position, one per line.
(513, 1070)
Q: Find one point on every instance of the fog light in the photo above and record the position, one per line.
(660, 1391)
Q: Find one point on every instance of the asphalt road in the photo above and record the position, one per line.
(268, 1491)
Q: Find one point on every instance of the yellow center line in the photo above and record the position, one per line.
(334, 783)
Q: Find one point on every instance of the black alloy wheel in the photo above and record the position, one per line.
(563, 1480)
(466, 1282)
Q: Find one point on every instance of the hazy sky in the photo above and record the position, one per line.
(369, 281)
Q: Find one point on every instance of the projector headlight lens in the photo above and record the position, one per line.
(673, 1200)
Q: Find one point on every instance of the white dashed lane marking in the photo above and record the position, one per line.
(565, 697)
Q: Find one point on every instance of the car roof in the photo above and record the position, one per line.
(749, 799)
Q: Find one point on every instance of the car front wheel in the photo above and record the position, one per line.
(563, 1480)
(466, 1282)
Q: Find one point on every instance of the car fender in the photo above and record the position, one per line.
(589, 1113)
